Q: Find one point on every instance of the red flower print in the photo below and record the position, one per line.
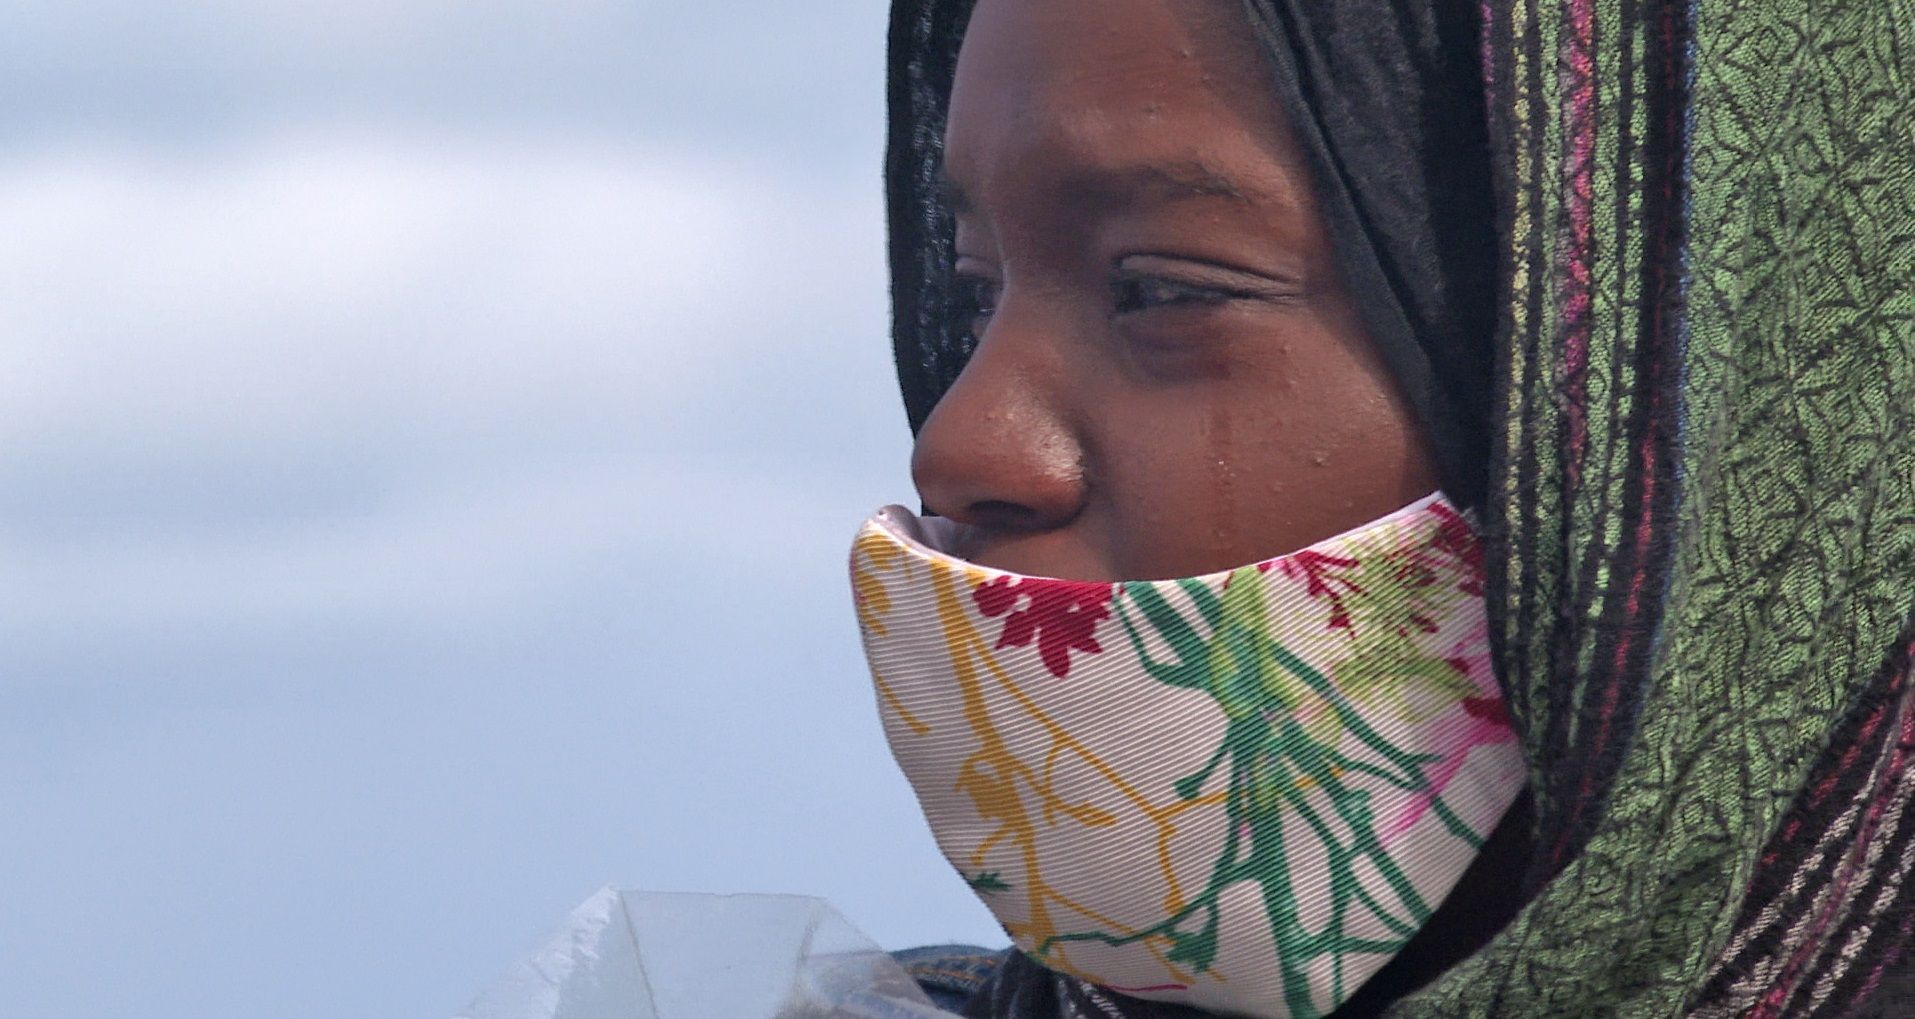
(1061, 615)
(1488, 709)
(1319, 574)
(1457, 544)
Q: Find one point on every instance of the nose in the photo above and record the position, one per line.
(999, 452)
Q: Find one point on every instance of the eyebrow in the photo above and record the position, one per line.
(1128, 186)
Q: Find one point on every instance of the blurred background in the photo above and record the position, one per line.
(430, 436)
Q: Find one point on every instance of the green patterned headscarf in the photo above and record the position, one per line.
(1705, 499)
(1699, 436)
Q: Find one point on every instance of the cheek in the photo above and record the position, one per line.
(1287, 448)
(1198, 482)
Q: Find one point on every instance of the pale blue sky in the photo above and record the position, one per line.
(430, 434)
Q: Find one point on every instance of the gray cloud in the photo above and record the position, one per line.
(326, 356)
(429, 437)
(764, 77)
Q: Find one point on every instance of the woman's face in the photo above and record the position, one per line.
(1170, 378)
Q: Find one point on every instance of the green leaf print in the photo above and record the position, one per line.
(1283, 752)
(988, 881)
(1197, 950)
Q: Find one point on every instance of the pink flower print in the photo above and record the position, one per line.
(1060, 615)
(1489, 723)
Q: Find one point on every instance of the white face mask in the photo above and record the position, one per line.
(1243, 792)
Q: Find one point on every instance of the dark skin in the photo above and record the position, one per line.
(1170, 378)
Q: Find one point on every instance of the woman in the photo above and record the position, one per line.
(1182, 286)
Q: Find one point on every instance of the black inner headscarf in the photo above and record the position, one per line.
(1387, 103)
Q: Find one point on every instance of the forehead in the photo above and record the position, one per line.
(1077, 86)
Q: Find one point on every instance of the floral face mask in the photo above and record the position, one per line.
(1243, 792)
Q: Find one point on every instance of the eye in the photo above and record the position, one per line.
(1134, 292)
(973, 302)
(1143, 282)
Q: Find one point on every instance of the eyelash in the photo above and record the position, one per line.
(974, 298)
(1133, 292)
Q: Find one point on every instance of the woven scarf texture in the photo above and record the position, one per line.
(1699, 498)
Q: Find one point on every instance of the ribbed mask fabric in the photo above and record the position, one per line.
(1244, 791)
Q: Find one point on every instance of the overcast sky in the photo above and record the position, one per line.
(430, 437)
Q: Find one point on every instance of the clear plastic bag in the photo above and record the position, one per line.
(654, 955)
